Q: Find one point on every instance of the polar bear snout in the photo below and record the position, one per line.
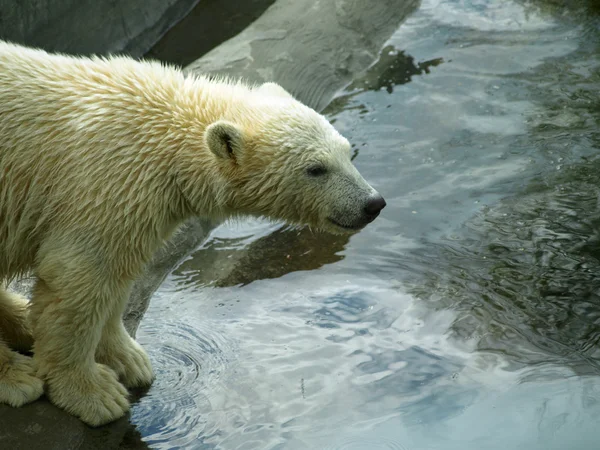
(374, 206)
(348, 221)
(371, 210)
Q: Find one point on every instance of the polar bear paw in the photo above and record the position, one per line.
(18, 383)
(130, 361)
(95, 396)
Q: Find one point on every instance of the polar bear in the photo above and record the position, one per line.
(101, 159)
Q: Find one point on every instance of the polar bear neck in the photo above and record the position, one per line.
(199, 103)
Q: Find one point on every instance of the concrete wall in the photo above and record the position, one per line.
(90, 26)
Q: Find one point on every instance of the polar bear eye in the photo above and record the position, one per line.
(316, 171)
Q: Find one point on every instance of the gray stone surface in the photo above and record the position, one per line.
(310, 48)
(313, 49)
(40, 425)
(90, 26)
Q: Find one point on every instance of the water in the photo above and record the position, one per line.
(467, 316)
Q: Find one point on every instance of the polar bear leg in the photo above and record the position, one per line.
(18, 382)
(67, 326)
(123, 354)
(14, 326)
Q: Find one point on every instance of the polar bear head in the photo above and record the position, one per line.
(283, 160)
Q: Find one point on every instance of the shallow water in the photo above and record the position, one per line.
(467, 316)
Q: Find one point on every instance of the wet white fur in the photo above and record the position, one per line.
(100, 161)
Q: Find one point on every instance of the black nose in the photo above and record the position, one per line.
(375, 205)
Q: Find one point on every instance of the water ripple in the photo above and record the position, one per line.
(188, 364)
(371, 444)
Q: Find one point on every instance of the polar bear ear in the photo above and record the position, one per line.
(224, 139)
(274, 89)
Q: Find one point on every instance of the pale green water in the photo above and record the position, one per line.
(467, 316)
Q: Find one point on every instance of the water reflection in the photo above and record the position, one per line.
(527, 272)
(282, 251)
(310, 359)
(393, 68)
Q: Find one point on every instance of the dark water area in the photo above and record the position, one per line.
(467, 316)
